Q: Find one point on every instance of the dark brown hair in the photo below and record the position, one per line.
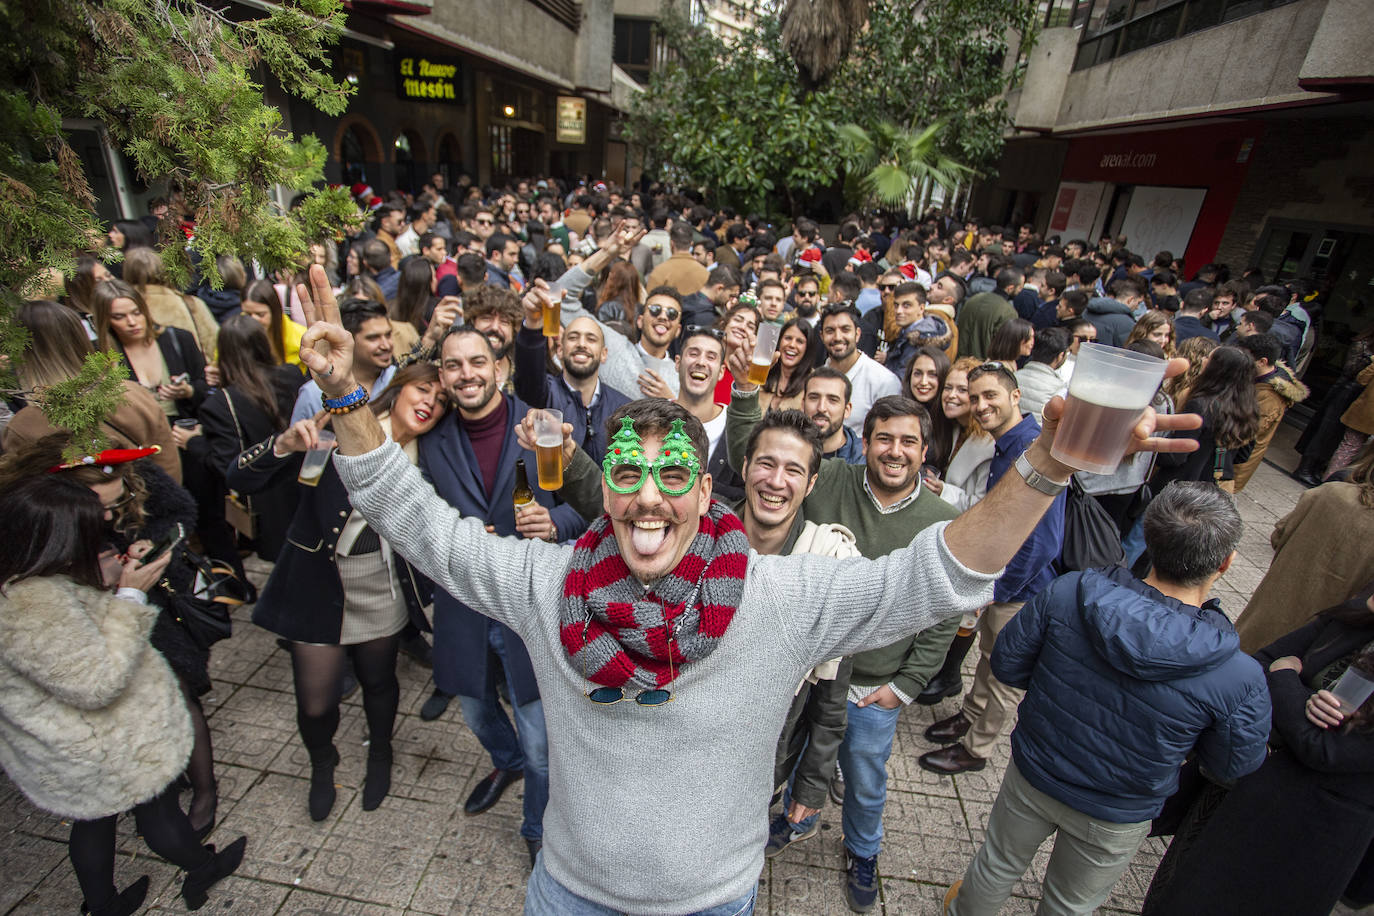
(70, 518)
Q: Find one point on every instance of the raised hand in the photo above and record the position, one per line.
(524, 436)
(326, 348)
(737, 361)
(536, 294)
(449, 310)
(301, 436)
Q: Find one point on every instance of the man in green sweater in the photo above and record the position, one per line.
(884, 505)
(984, 313)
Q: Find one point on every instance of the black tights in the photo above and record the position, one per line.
(165, 829)
(318, 671)
(200, 770)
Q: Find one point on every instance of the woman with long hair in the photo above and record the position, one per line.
(166, 361)
(1321, 555)
(925, 378)
(1156, 326)
(253, 401)
(125, 235)
(965, 483)
(169, 308)
(1196, 350)
(1224, 396)
(338, 591)
(80, 287)
(1308, 811)
(1012, 342)
(263, 305)
(799, 351)
(413, 304)
(92, 721)
(621, 294)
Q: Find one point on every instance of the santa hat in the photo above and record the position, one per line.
(599, 187)
(860, 257)
(374, 202)
(361, 189)
(107, 459)
(907, 270)
(810, 254)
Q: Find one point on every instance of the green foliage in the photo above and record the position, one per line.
(735, 120)
(174, 84)
(890, 163)
(86, 400)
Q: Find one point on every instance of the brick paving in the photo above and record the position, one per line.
(418, 854)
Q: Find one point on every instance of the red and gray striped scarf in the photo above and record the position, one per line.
(620, 633)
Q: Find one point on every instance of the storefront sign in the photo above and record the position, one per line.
(426, 79)
(572, 120)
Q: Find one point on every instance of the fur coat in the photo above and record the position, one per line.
(92, 721)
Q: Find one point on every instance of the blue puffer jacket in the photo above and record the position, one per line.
(1122, 683)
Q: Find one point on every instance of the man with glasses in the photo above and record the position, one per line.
(840, 335)
(806, 296)
(1081, 331)
(995, 401)
(483, 224)
(658, 803)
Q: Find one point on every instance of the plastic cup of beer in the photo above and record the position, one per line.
(552, 310)
(1353, 688)
(548, 447)
(312, 466)
(764, 347)
(1108, 393)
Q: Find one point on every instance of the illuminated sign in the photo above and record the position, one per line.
(425, 79)
(572, 120)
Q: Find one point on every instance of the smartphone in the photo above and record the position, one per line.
(170, 541)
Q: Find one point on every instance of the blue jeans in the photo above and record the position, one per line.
(863, 758)
(544, 896)
(525, 746)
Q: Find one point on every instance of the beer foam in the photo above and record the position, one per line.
(1111, 393)
(548, 442)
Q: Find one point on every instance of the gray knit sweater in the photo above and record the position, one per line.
(665, 810)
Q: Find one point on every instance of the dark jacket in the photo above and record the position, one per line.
(1201, 464)
(1122, 683)
(223, 303)
(852, 452)
(1186, 326)
(1289, 331)
(303, 599)
(539, 388)
(226, 433)
(1046, 315)
(461, 659)
(1030, 570)
(1112, 319)
(182, 354)
(1027, 303)
(1307, 815)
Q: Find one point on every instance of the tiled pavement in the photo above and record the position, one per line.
(418, 854)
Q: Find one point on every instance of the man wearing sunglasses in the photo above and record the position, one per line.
(659, 804)
(995, 401)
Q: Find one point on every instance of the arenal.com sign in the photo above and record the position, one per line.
(427, 79)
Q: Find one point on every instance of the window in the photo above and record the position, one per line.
(633, 48)
(1115, 27)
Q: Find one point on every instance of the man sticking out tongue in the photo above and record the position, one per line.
(666, 651)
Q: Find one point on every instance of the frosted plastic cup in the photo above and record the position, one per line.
(548, 447)
(1353, 689)
(764, 347)
(1109, 391)
(312, 465)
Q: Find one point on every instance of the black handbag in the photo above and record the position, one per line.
(204, 611)
(1091, 537)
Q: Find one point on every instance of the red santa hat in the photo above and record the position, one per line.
(908, 270)
(361, 189)
(810, 254)
(860, 257)
(107, 459)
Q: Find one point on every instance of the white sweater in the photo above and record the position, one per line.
(664, 810)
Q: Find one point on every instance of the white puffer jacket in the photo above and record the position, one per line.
(92, 721)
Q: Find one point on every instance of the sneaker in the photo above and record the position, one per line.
(837, 786)
(781, 834)
(861, 888)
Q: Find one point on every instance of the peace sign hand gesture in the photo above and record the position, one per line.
(326, 348)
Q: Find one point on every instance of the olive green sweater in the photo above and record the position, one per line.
(840, 498)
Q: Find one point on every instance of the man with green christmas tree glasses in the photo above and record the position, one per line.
(662, 809)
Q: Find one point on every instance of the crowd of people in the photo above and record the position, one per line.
(707, 631)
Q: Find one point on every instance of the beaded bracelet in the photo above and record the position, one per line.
(348, 403)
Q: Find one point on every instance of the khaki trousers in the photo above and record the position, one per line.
(990, 703)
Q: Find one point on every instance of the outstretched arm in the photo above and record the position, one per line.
(987, 536)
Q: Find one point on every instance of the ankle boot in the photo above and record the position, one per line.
(947, 682)
(125, 903)
(377, 782)
(221, 865)
(322, 794)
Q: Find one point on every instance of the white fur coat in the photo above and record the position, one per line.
(92, 721)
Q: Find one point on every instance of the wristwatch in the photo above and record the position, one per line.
(1037, 481)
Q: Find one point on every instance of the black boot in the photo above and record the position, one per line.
(947, 682)
(1306, 473)
(377, 782)
(125, 903)
(322, 763)
(194, 890)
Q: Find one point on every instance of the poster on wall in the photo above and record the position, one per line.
(572, 120)
(1161, 219)
(1075, 209)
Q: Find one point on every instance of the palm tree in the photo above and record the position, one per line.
(818, 34)
(890, 164)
